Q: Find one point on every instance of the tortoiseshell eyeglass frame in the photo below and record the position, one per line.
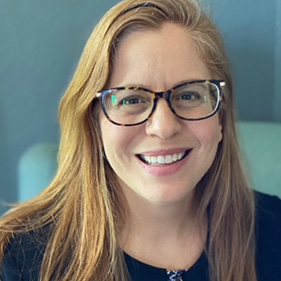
(220, 84)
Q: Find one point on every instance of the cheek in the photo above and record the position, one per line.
(111, 138)
(209, 132)
(219, 133)
(214, 135)
(215, 129)
(106, 132)
(117, 140)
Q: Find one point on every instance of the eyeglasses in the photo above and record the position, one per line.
(130, 106)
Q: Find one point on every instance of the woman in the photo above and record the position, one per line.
(150, 184)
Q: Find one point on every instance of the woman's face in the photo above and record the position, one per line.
(159, 60)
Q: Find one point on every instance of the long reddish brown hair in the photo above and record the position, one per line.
(81, 208)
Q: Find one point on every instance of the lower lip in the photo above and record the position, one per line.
(165, 170)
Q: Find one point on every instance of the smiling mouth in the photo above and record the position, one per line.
(161, 160)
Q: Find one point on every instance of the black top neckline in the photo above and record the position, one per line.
(143, 271)
(129, 258)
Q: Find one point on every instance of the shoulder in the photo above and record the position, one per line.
(23, 257)
(268, 210)
(268, 236)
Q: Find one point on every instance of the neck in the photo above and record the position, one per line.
(172, 217)
(164, 229)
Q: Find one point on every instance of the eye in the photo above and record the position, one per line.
(186, 99)
(189, 96)
(129, 102)
(132, 100)
(128, 98)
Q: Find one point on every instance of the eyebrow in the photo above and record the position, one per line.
(138, 85)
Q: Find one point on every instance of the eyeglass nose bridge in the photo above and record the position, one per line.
(164, 95)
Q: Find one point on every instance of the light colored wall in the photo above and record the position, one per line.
(41, 41)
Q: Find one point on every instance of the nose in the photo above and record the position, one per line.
(163, 123)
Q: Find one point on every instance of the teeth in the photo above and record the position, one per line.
(162, 160)
(153, 159)
(169, 159)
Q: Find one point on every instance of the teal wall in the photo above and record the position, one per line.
(41, 41)
(277, 92)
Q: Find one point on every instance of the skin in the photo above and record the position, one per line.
(161, 199)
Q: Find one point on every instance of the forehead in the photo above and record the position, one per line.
(157, 58)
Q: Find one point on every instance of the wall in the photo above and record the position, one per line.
(277, 96)
(251, 34)
(41, 42)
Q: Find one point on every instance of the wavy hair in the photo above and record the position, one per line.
(82, 211)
